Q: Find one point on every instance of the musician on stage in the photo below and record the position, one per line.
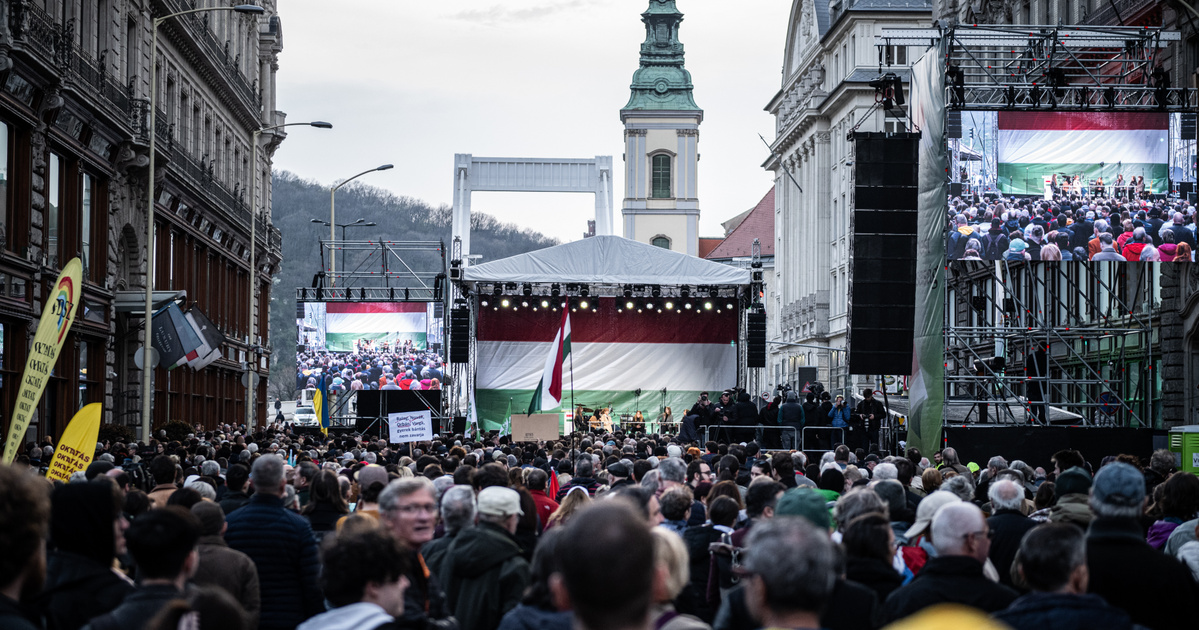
(1119, 186)
(1139, 186)
(1099, 190)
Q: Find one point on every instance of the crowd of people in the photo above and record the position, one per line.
(230, 530)
(1071, 227)
(406, 369)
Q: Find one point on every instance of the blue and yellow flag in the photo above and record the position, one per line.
(320, 404)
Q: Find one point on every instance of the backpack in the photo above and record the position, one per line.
(993, 249)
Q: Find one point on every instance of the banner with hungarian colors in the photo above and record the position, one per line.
(1033, 146)
(391, 323)
(671, 356)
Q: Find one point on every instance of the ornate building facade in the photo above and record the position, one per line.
(74, 104)
(661, 120)
(830, 59)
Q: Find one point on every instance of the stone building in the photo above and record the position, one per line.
(830, 59)
(661, 120)
(74, 104)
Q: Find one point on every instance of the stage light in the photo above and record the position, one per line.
(669, 305)
(708, 306)
(505, 303)
(649, 304)
(524, 303)
(528, 290)
(583, 304)
(687, 305)
(730, 306)
(484, 302)
(628, 290)
(629, 305)
(511, 286)
(656, 291)
(545, 304)
(584, 291)
(713, 292)
(555, 290)
(684, 292)
(496, 289)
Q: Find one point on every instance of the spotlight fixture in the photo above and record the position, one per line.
(713, 292)
(484, 302)
(628, 290)
(527, 290)
(584, 304)
(708, 305)
(505, 302)
(524, 303)
(687, 305)
(649, 304)
(730, 306)
(629, 304)
(656, 291)
(545, 304)
(684, 291)
(511, 286)
(496, 289)
(669, 305)
(555, 290)
(584, 291)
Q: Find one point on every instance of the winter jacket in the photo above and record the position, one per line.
(138, 608)
(434, 553)
(875, 574)
(1137, 578)
(1072, 508)
(1058, 611)
(850, 607)
(485, 576)
(14, 616)
(78, 589)
(949, 580)
(231, 570)
(283, 547)
(323, 518)
(1189, 555)
(587, 482)
(791, 413)
(1007, 530)
(161, 494)
(545, 507)
(424, 600)
(839, 416)
(533, 618)
(1181, 535)
(1160, 531)
(697, 540)
(360, 616)
(234, 500)
(665, 617)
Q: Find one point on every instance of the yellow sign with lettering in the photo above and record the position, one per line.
(78, 444)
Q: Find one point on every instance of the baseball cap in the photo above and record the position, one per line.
(1018, 245)
(927, 510)
(499, 501)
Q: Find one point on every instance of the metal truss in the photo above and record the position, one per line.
(1062, 68)
(419, 266)
(1092, 320)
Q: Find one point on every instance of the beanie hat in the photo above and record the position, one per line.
(806, 503)
(1075, 480)
(1119, 484)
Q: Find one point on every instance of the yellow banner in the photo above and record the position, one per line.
(57, 317)
(78, 444)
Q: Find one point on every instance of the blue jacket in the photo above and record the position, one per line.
(283, 547)
(840, 416)
(1053, 611)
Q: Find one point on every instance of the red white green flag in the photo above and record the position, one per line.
(548, 394)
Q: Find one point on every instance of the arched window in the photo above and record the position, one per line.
(661, 177)
(660, 241)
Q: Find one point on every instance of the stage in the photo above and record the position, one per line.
(1035, 445)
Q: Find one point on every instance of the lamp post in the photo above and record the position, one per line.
(251, 359)
(147, 367)
(343, 226)
(333, 219)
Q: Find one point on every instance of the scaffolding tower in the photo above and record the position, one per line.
(1094, 324)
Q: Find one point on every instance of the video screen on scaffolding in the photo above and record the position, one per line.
(370, 346)
(1071, 186)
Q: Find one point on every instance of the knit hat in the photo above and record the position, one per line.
(1119, 484)
(1075, 480)
(807, 503)
(211, 517)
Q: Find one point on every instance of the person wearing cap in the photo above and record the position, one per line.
(1071, 494)
(1016, 250)
(919, 547)
(485, 573)
(1144, 582)
(371, 480)
(962, 541)
(221, 566)
(618, 476)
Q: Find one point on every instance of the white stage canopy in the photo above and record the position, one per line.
(607, 260)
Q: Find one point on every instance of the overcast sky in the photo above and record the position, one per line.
(412, 83)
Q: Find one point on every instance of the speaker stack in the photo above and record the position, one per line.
(755, 352)
(460, 334)
(883, 268)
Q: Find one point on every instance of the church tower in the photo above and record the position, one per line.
(661, 122)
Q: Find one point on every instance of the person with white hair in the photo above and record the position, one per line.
(1008, 525)
(962, 540)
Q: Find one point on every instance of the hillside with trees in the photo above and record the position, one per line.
(297, 202)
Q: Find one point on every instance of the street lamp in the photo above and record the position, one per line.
(250, 353)
(343, 226)
(147, 367)
(333, 218)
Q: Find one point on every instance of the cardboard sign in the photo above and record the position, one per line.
(410, 426)
(537, 427)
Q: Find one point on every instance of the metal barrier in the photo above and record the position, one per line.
(758, 428)
(829, 429)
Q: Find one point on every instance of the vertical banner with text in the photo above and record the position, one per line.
(77, 445)
(57, 317)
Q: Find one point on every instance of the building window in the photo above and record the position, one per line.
(660, 241)
(4, 187)
(661, 177)
(53, 202)
(896, 55)
(85, 225)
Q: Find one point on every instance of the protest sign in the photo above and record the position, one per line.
(77, 445)
(537, 427)
(410, 426)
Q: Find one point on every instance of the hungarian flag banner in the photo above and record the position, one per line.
(548, 394)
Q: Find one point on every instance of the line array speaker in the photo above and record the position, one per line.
(1187, 128)
(755, 351)
(459, 335)
(882, 297)
(953, 124)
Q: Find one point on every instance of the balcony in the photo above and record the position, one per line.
(213, 51)
(1115, 12)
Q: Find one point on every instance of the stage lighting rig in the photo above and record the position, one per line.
(888, 89)
(656, 291)
(555, 290)
(684, 291)
(497, 289)
(584, 291)
(628, 291)
(527, 290)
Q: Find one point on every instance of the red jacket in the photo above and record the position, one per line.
(545, 507)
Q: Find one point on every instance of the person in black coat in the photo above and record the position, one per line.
(872, 412)
(1053, 564)
(87, 531)
(1123, 568)
(791, 414)
(869, 548)
(1008, 525)
(955, 575)
(282, 546)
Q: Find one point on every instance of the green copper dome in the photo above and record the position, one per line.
(661, 83)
